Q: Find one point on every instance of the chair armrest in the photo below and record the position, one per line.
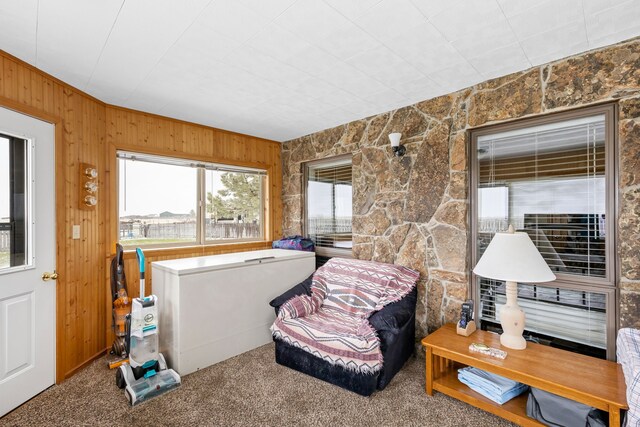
(299, 306)
(302, 288)
(395, 315)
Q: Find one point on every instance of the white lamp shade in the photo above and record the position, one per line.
(513, 257)
(395, 139)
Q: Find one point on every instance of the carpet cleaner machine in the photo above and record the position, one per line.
(146, 375)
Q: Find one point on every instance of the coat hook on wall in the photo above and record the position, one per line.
(88, 197)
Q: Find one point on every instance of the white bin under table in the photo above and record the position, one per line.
(214, 307)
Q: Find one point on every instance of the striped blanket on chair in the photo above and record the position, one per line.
(332, 323)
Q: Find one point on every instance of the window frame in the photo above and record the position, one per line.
(29, 241)
(200, 204)
(322, 251)
(607, 285)
(202, 210)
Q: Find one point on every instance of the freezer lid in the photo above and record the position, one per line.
(194, 265)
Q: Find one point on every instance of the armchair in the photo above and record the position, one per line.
(393, 324)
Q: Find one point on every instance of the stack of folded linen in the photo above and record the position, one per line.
(492, 386)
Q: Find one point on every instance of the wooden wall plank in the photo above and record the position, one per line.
(87, 130)
(147, 133)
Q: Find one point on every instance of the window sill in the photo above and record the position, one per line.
(199, 250)
(333, 252)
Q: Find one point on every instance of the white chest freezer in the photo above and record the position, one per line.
(214, 307)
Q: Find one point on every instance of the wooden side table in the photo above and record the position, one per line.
(594, 382)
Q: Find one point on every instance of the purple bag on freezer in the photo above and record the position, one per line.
(297, 243)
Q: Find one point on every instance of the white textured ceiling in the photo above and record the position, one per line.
(280, 69)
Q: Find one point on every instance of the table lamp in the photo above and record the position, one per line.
(512, 257)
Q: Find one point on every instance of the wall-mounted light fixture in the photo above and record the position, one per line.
(88, 197)
(398, 150)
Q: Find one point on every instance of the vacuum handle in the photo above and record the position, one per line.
(121, 285)
(140, 256)
(117, 272)
(119, 258)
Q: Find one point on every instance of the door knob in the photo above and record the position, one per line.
(49, 276)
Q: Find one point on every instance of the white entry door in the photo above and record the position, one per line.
(27, 250)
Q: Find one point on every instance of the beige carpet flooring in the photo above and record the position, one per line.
(247, 390)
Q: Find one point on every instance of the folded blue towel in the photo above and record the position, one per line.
(492, 386)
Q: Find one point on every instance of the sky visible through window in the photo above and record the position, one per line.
(320, 204)
(155, 188)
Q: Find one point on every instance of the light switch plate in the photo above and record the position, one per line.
(76, 232)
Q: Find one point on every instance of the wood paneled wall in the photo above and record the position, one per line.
(147, 133)
(89, 131)
(80, 135)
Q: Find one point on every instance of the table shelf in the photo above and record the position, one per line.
(594, 382)
(514, 410)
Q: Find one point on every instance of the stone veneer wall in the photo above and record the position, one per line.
(413, 211)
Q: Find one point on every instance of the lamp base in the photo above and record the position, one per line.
(512, 320)
(513, 342)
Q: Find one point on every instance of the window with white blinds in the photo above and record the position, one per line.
(328, 205)
(551, 179)
(573, 315)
